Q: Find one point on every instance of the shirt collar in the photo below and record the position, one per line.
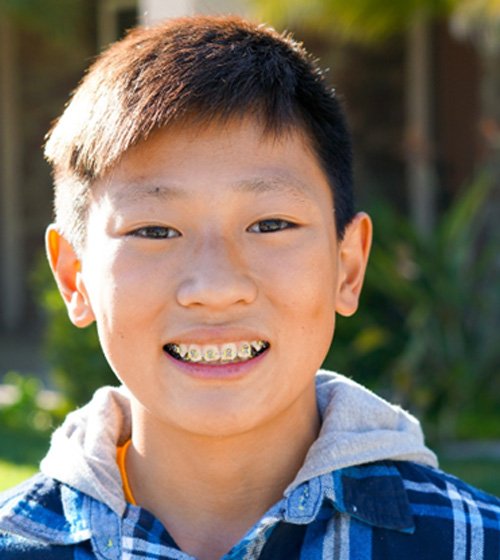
(373, 493)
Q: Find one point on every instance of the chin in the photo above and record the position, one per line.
(219, 423)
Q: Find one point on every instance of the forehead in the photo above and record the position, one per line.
(186, 159)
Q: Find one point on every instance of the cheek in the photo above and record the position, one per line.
(304, 281)
(124, 294)
(303, 292)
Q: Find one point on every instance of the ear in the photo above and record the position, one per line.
(66, 268)
(353, 257)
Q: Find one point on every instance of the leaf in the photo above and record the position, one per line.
(360, 20)
(367, 21)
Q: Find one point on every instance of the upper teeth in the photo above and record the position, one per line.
(227, 352)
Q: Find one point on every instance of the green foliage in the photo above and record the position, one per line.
(22, 444)
(429, 319)
(12, 474)
(59, 19)
(482, 473)
(30, 407)
(78, 366)
(365, 20)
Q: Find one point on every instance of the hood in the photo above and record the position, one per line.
(82, 451)
(357, 427)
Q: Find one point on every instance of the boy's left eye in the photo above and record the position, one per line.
(271, 225)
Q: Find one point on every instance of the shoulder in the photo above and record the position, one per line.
(417, 512)
(34, 501)
(13, 547)
(450, 514)
(38, 497)
(442, 487)
(33, 521)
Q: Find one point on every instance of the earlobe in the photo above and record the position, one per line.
(353, 258)
(66, 268)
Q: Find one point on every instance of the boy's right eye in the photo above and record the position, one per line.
(155, 232)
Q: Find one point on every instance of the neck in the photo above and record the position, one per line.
(217, 487)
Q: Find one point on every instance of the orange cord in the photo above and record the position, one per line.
(121, 454)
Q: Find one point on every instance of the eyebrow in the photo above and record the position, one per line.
(139, 190)
(277, 183)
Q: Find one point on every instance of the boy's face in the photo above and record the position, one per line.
(205, 239)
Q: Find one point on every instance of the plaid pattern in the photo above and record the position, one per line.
(386, 510)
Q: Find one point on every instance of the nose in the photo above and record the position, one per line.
(217, 277)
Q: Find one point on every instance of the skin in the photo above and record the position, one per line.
(214, 275)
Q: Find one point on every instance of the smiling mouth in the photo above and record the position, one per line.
(217, 354)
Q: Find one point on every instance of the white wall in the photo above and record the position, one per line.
(151, 11)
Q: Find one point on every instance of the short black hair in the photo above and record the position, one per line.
(196, 69)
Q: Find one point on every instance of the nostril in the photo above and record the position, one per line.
(217, 290)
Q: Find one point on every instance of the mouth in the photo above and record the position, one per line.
(217, 354)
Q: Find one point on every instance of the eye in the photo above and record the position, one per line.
(271, 225)
(155, 232)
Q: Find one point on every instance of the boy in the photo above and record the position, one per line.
(204, 220)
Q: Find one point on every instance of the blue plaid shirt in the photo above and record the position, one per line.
(385, 510)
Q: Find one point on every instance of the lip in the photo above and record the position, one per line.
(221, 372)
(216, 335)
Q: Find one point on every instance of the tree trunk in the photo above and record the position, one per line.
(11, 270)
(421, 173)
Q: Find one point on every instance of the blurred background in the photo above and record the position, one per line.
(420, 81)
